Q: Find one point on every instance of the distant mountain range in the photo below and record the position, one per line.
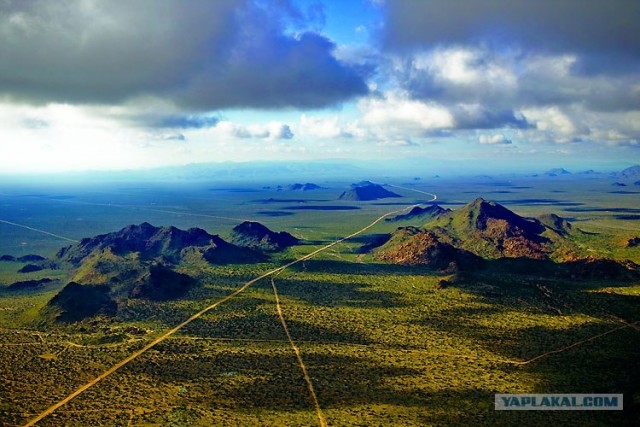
(589, 172)
(557, 172)
(24, 258)
(630, 173)
(309, 186)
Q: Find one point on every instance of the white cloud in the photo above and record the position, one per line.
(59, 137)
(73, 139)
(325, 127)
(552, 120)
(501, 83)
(270, 131)
(394, 113)
(397, 143)
(494, 139)
(549, 66)
(279, 130)
(391, 119)
(463, 67)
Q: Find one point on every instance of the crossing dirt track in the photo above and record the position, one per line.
(200, 313)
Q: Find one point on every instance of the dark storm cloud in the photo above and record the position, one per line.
(481, 117)
(202, 54)
(276, 71)
(593, 26)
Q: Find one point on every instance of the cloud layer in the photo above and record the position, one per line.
(561, 72)
(89, 82)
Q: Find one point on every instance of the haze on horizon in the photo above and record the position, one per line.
(111, 85)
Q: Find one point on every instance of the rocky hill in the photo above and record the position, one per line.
(490, 230)
(420, 214)
(256, 236)
(366, 192)
(484, 234)
(138, 261)
(412, 246)
(479, 230)
(148, 243)
(29, 284)
(633, 242)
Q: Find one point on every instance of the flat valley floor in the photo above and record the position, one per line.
(382, 344)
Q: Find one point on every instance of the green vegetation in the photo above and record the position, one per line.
(384, 344)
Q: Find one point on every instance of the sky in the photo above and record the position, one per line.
(120, 84)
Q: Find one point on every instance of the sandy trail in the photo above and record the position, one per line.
(303, 367)
(39, 231)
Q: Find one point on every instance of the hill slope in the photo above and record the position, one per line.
(411, 246)
(480, 229)
(418, 213)
(367, 192)
(254, 235)
(149, 242)
(632, 172)
(556, 223)
(76, 302)
(137, 261)
(490, 230)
